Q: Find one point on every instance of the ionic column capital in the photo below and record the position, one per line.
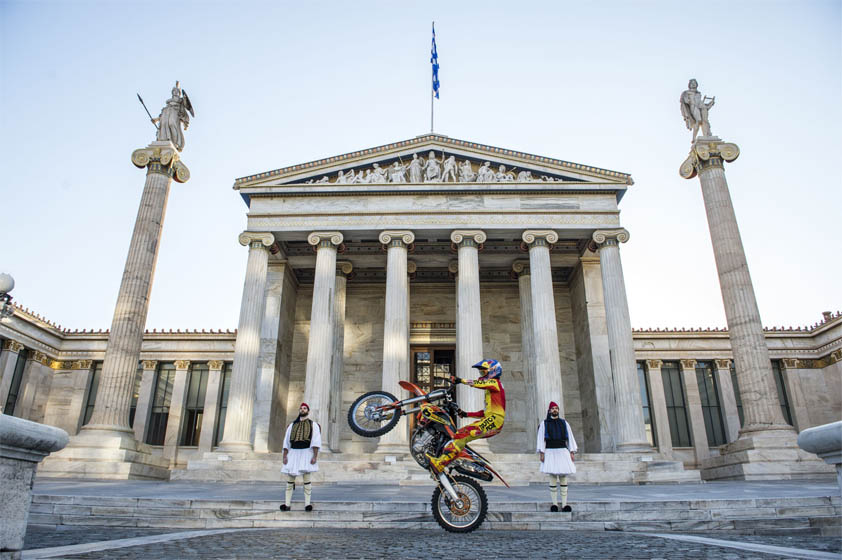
(82, 364)
(344, 268)
(688, 364)
(215, 365)
(325, 239)
(162, 158)
(708, 153)
(256, 239)
(520, 268)
(723, 364)
(602, 237)
(182, 364)
(463, 237)
(654, 364)
(400, 236)
(411, 267)
(149, 364)
(453, 267)
(12, 346)
(539, 237)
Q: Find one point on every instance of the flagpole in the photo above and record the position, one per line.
(432, 93)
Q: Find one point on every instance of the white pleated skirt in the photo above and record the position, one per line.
(557, 461)
(298, 462)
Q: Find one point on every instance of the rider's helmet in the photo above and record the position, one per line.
(491, 369)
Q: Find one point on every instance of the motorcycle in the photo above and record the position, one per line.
(459, 502)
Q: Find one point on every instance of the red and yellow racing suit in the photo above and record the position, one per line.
(490, 423)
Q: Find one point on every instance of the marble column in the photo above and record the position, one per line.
(396, 329)
(144, 399)
(761, 408)
(172, 437)
(630, 432)
(34, 375)
(520, 268)
(237, 432)
(83, 370)
(658, 406)
(694, 410)
(344, 270)
(8, 361)
(798, 405)
(468, 315)
(116, 386)
(547, 386)
(211, 412)
(320, 345)
(727, 399)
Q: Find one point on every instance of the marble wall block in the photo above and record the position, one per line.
(60, 411)
(34, 391)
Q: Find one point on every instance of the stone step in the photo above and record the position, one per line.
(819, 515)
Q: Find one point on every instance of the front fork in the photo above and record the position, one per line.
(444, 481)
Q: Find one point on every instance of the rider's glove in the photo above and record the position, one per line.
(456, 380)
(461, 413)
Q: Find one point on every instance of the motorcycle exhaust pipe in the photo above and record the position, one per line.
(449, 487)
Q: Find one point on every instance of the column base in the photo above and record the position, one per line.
(765, 453)
(635, 447)
(235, 447)
(392, 448)
(105, 454)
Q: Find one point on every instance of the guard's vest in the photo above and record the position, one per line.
(301, 434)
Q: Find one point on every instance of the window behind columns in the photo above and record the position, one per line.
(197, 384)
(162, 397)
(643, 380)
(711, 410)
(14, 389)
(676, 407)
(737, 393)
(137, 377)
(225, 385)
(93, 389)
(782, 396)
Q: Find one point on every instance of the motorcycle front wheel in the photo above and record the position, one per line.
(366, 420)
(461, 517)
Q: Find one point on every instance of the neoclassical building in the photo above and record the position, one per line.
(412, 261)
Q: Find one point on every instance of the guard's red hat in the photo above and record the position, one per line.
(305, 404)
(552, 404)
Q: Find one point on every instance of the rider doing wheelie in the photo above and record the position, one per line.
(491, 418)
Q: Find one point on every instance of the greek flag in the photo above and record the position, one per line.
(434, 59)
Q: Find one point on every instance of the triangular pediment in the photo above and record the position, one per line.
(431, 159)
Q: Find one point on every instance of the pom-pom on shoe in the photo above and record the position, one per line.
(284, 507)
(553, 509)
(308, 508)
(567, 509)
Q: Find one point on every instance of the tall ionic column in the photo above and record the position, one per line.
(212, 396)
(396, 328)
(144, 399)
(547, 386)
(237, 432)
(520, 268)
(468, 314)
(630, 433)
(114, 397)
(344, 269)
(728, 399)
(320, 346)
(658, 404)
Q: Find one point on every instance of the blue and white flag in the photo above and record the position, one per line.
(434, 59)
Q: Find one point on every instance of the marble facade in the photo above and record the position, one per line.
(346, 280)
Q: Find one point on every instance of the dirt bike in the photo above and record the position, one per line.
(459, 502)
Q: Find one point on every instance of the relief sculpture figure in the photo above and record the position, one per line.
(485, 174)
(378, 175)
(432, 169)
(449, 172)
(694, 109)
(397, 173)
(466, 172)
(415, 169)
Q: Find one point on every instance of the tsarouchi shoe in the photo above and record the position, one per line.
(567, 508)
(308, 508)
(284, 507)
(553, 509)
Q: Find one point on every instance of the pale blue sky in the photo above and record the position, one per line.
(280, 83)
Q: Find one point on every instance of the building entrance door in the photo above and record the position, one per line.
(431, 369)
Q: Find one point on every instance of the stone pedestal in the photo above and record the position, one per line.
(630, 434)
(396, 330)
(23, 445)
(826, 442)
(766, 448)
(108, 433)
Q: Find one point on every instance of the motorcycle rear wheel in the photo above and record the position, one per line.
(363, 418)
(470, 515)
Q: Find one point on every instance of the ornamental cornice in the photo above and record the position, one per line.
(707, 153)
(82, 364)
(248, 237)
(149, 364)
(654, 364)
(415, 219)
(163, 158)
(601, 236)
(476, 235)
(403, 235)
(182, 364)
(334, 237)
(215, 364)
(723, 364)
(688, 364)
(531, 235)
(41, 358)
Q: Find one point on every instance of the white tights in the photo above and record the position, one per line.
(562, 488)
(308, 491)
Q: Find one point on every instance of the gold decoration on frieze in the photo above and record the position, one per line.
(790, 363)
(12, 346)
(688, 364)
(215, 364)
(149, 364)
(654, 364)
(182, 364)
(58, 364)
(82, 364)
(40, 357)
(835, 356)
(723, 364)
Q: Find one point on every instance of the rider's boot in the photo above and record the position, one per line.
(448, 454)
